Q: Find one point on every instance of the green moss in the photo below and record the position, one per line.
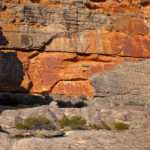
(35, 123)
(75, 122)
(120, 126)
(115, 125)
(20, 126)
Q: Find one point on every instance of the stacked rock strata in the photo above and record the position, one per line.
(61, 46)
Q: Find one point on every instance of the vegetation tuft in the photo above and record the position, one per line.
(35, 123)
(75, 123)
(120, 126)
(114, 125)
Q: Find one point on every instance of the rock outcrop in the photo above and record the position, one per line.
(56, 46)
(75, 69)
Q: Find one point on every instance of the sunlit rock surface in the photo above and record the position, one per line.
(55, 46)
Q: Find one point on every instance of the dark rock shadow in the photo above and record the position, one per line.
(23, 100)
(12, 94)
(11, 69)
(11, 77)
(3, 40)
(11, 72)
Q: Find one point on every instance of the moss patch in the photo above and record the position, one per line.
(120, 126)
(75, 122)
(110, 126)
(35, 123)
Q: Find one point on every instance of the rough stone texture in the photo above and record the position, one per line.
(129, 78)
(9, 118)
(60, 53)
(86, 140)
(102, 140)
(130, 109)
(56, 46)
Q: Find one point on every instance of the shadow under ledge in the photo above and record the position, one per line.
(23, 99)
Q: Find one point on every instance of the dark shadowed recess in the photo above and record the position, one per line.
(11, 69)
(30, 100)
(11, 77)
(69, 102)
(3, 40)
(12, 94)
(11, 72)
(23, 99)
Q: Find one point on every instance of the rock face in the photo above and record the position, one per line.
(57, 54)
(81, 140)
(127, 79)
(100, 140)
(56, 47)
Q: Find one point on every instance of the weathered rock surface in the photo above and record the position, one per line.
(57, 46)
(89, 140)
(119, 97)
(57, 54)
(129, 78)
(103, 140)
(135, 112)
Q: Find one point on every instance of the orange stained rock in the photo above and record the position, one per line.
(85, 66)
(65, 63)
(118, 8)
(5, 15)
(51, 4)
(131, 25)
(81, 69)
(134, 46)
(45, 67)
(113, 8)
(52, 68)
(74, 88)
(109, 42)
(11, 27)
(106, 43)
(117, 43)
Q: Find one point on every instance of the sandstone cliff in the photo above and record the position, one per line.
(67, 65)
(56, 46)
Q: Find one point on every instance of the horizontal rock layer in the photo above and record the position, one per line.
(58, 46)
